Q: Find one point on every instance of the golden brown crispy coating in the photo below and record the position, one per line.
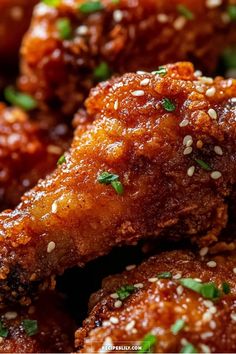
(15, 20)
(126, 35)
(173, 149)
(50, 332)
(28, 152)
(154, 305)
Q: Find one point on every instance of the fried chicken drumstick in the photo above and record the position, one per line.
(158, 160)
(175, 302)
(73, 45)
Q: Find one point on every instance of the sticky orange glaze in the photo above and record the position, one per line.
(70, 218)
(127, 35)
(156, 304)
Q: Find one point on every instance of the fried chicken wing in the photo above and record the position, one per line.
(158, 160)
(172, 302)
(70, 47)
(44, 327)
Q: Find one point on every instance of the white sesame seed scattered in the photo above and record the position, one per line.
(137, 93)
(234, 270)
(82, 30)
(54, 207)
(212, 113)
(138, 285)
(180, 290)
(213, 3)
(205, 348)
(233, 99)
(212, 324)
(114, 296)
(188, 140)
(207, 316)
(190, 171)
(177, 276)
(10, 315)
(199, 88)
(188, 150)
(51, 246)
(198, 73)
(130, 325)
(118, 15)
(144, 82)
(162, 18)
(179, 23)
(183, 341)
(233, 316)
(197, 279)
(206, 80)
(184, 123)
(114, 320)
(212, 309)
(106, 323)
(118, 304)
(206, 335)
(140, 72)
(203, 251)
(210, 92)
(216, 175)
(130, 267)
(218, 150)
(211, 264)
(152, 280)
(116, 104)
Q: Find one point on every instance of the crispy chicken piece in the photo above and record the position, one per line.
(28, 152)
(166, 143)
(152, 306)
(61, 61)
(44, 327)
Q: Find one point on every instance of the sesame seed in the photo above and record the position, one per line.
(179, 23)
(11, 315)
(138, 285)
(211, 264)
(144, 82)
(184, 123)
(162, 18)
(199, 88)
(180, 290)
(216, 175)
(203, 251)
(137, 93)
(218, 150)
(188, 150)
(197, 73)
(206, 335)
(210, 92)
(118, 304)
(206, 80)
(233, 316)
(130, 267)
(82, 30)
(106, 323)
(190, 171)
(139, 72)
(54, 207)
(205, 348)
(152, 280)
(212, 309)
(213, 3)
(177, 276)
(212, 113)
(188, 140)
(118, 15)
(233, 99)
(51, 246)
(199, 144)
(116, 104)
(234, 270)
(197, 279)
(212, 324)
(183, 341)
(130, 325)
(114, 320)
(114, 296)
(207, 316)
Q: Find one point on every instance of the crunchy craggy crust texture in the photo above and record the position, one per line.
(55, 327)
(70, 218)
(15, 20)
(129, 36)
(157, 304)
(28, 152)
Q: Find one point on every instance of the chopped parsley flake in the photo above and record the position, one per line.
(113, 180)
(64, 28)
(188, 348)
(229, 58)
(102, 72)
(162, 71)
(184, 11)
(53, 3)
(3, 330)
(164, 275)
(148, 343)
(19, 99)
(61, 160)
(207, 290)
(225, 288)
(231, 10)
(125, 291)
(30, 327)
(90, 7)
(168, 105)
(203, 165)
(177, 326)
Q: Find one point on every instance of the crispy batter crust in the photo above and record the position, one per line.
(157, 304)
(70, 218)
(127, 35)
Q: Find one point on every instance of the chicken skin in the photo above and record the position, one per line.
(73, 45)
(44, 327)
(174, 301)
(158, 161)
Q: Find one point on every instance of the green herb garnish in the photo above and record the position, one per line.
(61, 160)
(53, 3)
(125, 291)
(207, 290)
(102, 72)
(188, 348)
(203, 165)
(164, 275)
(225, 288)
(19, 99)
(231, 10)
(184, 11)
(229, 58)
(64, 28)
(30, 327)
(148, 343)
(113, 180)
(3, 330)
(118, 186)
(162, 71)
(90, 7)
(168, 105)
(177, 326)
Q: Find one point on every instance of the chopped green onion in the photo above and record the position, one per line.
(3, 330)
(177, 326)
(90, 7)
(30, 327)
(53, 3)
(148, 343)
(188, 348)
(113, 180)
(61, 160)
(207, 290)
(229, 58)
(231, 10)
(162, 71)
(19, 99)
(225, 288)
(168, 105)
(102, 72)
(64, 28)
(125, 291)
(184, 11)
(203, 165)
(118, 186)
(164, 275)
